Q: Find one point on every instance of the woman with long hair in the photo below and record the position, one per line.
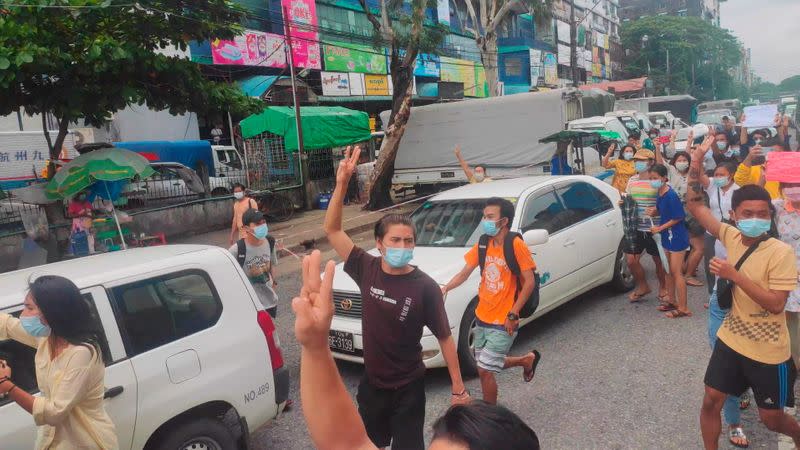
(70, 371)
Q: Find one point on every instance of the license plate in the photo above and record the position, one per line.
(342, 341)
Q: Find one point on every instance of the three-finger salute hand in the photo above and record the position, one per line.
(314, 307)
(348, 165)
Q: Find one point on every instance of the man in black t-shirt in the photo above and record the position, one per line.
(398, 301)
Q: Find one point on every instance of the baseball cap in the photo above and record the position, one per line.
(252, 215)
(644, 153)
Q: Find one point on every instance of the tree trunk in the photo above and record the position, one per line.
(381, 181)
(487, 45)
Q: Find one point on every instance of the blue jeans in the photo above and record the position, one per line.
(716, 315)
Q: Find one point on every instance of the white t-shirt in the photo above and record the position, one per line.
(719, 201)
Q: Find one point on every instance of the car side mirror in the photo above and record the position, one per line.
(535, 237)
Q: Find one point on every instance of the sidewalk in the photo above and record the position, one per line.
(304, 231)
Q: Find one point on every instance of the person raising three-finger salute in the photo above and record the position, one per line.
(398, 301)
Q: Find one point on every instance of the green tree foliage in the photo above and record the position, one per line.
(790, 85)
(86, 59)
(701, 55)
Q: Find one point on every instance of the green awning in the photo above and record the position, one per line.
(323, 126)
(586, 137)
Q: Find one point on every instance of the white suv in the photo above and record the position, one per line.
(572, 224)
(192, 359)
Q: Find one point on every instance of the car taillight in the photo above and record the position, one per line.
(273, 343)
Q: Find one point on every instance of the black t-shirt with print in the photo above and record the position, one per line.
(395, 308)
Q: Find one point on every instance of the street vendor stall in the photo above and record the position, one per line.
(579, 139)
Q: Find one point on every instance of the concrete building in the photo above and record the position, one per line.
(705, 9)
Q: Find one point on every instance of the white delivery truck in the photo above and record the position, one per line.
(24, 154)
(501, 133)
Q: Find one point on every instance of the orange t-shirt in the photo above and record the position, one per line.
(498, 289)
(239, 208)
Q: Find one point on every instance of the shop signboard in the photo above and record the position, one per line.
(536, 66)
(356, 83)
(481, 85)
(376, 84)
(253, 48)
(564, 54)
(427, 66)
(340, 57)
(335, 83)
(303, 25)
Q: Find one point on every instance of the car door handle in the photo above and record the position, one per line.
(569, 242)
(611, 223)
(113, 392)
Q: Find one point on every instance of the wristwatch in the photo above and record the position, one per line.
(512, 316)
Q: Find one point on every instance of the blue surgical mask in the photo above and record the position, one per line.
(398, 257)
(732, 151)
(722, 145)
(753, 227)
(489, 227)
(260, 232)
(721, 181)
(656, 184)
(33, 325)
(640, 166)
(627, 156)
(757, 141)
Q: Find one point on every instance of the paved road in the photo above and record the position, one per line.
(613, 376)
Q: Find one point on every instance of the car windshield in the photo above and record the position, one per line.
(448, 223)
(658, 118)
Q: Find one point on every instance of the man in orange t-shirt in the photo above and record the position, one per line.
(501, 296)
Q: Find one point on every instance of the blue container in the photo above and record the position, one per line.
(323, 200)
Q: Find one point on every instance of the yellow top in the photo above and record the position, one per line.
(752, 175)
(69, 412)
(474, 180)
(749, 329)
(623, 171)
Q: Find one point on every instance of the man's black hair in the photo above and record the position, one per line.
(238, 185)
(635, 134)
(749, 192)
(252, 215)
(506, 208)
(382, 226)
(480, 426)
(481, 166)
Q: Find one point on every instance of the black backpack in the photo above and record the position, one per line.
(241, 249)
(511, 261)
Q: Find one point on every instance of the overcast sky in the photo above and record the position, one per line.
(769, 28)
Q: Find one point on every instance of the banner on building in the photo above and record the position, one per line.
(481, 85)
(563, 31)
(564, 54)
(354, 58)
(550, 69)
(253, 48)
(536, 66)
(335, 84)
(376, 84)
(356, 83)
(443, 11)
(587, 60)
(303, 25)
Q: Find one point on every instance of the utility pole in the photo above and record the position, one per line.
(301, 154)
(667, 90)
(573, 32)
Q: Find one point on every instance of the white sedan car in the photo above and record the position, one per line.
(572, 225)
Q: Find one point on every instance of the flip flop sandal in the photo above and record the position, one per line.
(692, 281)
(738, 433)
(666, 307)
(677, 314)
(636, 297)
(528, 376)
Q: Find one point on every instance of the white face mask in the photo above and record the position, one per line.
(479, 176)
(238, 195)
